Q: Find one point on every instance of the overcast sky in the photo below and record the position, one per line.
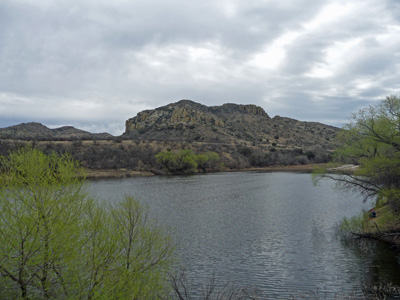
(93, 64)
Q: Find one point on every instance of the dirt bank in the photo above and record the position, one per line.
(115, 173)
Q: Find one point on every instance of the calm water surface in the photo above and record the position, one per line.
(275, 231)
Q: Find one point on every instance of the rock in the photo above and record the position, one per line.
(188, 121)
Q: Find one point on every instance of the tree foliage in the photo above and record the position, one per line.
(372, 141)
(186, 161)
(58, 242)
(208, 161)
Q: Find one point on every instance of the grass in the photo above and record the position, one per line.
(385, 227)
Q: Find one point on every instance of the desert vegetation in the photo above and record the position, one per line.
(145, 156)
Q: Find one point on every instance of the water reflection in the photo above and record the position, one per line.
(378, 261)
(271, 230)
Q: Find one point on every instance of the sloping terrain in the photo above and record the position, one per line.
(37, 131)
(189, 121)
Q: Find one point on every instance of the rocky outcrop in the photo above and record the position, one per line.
(183, 114)
(249, 109)
(186, 114)
(189, 121)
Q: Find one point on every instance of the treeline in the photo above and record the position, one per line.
(172, 157)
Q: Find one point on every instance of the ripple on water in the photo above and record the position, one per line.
(274, 231)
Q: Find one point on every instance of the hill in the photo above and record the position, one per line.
(189, 121)
(37, 131)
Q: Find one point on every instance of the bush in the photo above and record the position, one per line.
(208, 161)
(187, 162)
(245, 151)
(58, 242)
(355, 224)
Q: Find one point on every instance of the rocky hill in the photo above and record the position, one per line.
(242, 136)
(37, 131)
(188, 121)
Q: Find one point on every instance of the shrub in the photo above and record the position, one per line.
(58, 242)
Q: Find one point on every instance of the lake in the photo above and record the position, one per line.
(274, 231)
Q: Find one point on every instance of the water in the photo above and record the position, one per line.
(274, 231)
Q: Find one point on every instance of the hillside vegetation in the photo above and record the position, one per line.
(243, 136)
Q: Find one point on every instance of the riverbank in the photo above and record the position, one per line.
(124, 173)
(385, 227)
(390, 238)
(115, 173)
(309, 168)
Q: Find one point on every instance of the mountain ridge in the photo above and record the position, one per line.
(38, 131)
(190, 121)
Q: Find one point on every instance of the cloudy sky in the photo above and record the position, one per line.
(93, 64)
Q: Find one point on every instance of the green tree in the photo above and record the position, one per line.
(372, 141)
(168, 160)
(42, 205)
(208, 161)
(58, 242)
(187, 162)
(177, 162)
(145, 252)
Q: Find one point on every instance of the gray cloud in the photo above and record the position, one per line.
(94, 64)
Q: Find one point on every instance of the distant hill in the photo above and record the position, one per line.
(37, 131)
(188, 121)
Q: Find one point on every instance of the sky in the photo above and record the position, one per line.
(93, 64)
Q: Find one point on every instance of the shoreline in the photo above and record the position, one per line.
(125, 173)
(388, 237)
